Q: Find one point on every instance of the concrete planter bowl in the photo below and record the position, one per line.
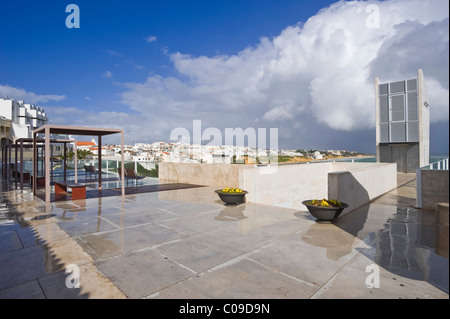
(232, 198)
(325, 215)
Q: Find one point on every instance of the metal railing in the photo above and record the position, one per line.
(439, 165)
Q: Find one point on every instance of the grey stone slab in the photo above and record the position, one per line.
(190, 209)
(8, 225)
(311, 255)
(206, 250)
(242, 279)
(28, 290)
(90, 212)
(55, 287)
(145, 202)
(268, 233)
(126, 240)
(197, 223)
(150, 215)
(23, 265)
(267, 225)
(9, 241)
(86, 226)
(40, 234)
(142, 273)
(357, 281)
(91, 284)
(113, 201)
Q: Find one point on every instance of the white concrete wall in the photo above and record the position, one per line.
(358, 186)
(6, 109)
(288, 185)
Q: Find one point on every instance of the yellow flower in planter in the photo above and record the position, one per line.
(231, 190)
(326, 203)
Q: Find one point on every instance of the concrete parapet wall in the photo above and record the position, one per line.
(435, 188)
(215, 175)
(288, 185)
(358, 186)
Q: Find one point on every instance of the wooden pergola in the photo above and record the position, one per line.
(22, 143)
(47, 130)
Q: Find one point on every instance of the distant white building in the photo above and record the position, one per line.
(317, 155)
(24, 117)
(221, 159)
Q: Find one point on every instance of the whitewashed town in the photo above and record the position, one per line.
(18, 119)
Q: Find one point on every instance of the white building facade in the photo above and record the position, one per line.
(24, 117)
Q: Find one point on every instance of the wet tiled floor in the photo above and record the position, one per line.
(187, 244)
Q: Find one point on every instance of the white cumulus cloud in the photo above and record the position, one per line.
(321, 70)
(28, 97)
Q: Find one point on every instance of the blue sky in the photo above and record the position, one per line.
(152, 66)
(41, 54)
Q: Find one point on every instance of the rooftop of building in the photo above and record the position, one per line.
(187, 244)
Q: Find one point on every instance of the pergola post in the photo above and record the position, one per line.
(47, 164)
(15, 163)
(42, 158)
(9, 161)
(75, 161)
(21, 164)
(65, 160)
(2, 160)
(51, 163)
(99, 162)
(35, 155)
(122, 155)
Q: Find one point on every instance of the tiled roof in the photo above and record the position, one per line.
(85, 143)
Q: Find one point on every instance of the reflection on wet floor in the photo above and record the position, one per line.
(231, 213)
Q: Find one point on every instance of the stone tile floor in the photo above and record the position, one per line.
(188, 244)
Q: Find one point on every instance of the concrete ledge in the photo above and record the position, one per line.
(359, 186)
(288, 185)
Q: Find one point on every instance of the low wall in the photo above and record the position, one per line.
(288, 185)
(359, 186)
(435, 189)
(215, 175)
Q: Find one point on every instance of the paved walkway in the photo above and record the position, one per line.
(187, 244)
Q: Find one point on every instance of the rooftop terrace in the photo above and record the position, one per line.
(186, 243)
